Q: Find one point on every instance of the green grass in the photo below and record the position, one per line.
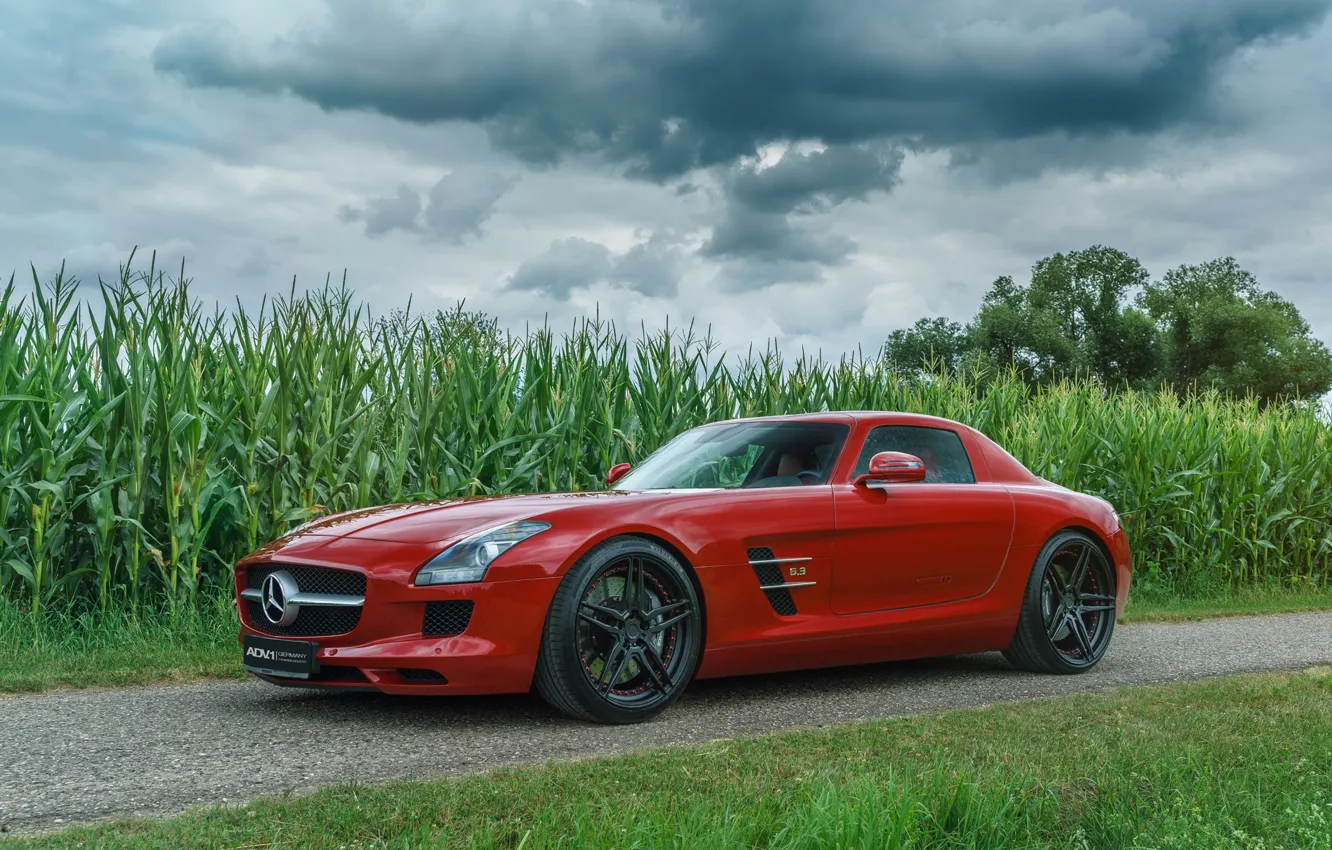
(1164, 607)
(124, 647)
(118, 648)
(1236, 763)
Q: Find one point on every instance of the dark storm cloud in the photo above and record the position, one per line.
(384, 215)
(567, 265)
(651, 267)
(764, 205)
(759, 249)
(455, 207)
(670, 86)
(815, 181)
(772, 238)
(765, 236)
(462, 201)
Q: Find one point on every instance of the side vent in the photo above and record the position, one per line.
(769, 573)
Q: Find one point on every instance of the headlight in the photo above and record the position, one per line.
(468, 559)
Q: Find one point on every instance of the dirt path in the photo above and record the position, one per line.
(79, 756)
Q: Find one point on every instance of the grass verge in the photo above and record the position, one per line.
(118, 648)
(121, 648)
(1236, 763)
(1158, 607)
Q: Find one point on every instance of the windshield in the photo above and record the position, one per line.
(743, 454)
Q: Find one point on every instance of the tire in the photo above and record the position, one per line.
(623, 634)
(1068, 610)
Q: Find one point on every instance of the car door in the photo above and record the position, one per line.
(923, 543)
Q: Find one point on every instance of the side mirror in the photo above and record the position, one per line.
(617, 472)
(892, 468)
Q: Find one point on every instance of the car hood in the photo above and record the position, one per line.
(447, 520)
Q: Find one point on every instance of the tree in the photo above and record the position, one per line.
(927, 345)
(1086, 292)
(1096, 312)
(1010, 331)
(1071, 319)
(1220, 330)
(999, 330)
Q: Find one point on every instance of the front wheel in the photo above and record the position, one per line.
(1068, 612)
(623, 635)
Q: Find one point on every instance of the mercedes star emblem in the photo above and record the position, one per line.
(278, 603)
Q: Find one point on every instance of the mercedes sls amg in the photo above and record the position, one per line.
(746, 546)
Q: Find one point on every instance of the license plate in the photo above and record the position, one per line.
(293, 659)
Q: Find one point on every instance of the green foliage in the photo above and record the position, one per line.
(1096, 313)
(1070, 319)
(146, 446)
(937, 343)
(1220, 330)
(117, 646)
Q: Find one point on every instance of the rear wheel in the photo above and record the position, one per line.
(1068, 612)
(623, 635)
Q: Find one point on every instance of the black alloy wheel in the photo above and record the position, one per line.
(623, 635)
(1068, 612)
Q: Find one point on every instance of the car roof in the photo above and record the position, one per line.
(887, 416)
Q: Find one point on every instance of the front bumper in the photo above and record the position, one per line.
(387, 650)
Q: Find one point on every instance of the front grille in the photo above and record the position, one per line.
(312, 579)
(445, 619)
(769, 574)
(417, 674)
(310, 622)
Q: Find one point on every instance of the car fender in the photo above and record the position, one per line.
(1044, 511)
(554, 552)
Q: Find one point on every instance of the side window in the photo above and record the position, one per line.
(945, 457)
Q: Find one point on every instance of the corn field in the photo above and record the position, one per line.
(147, 443)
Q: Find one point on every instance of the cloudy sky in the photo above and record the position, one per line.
(819, 171)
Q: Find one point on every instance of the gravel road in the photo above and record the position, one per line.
(79, 756)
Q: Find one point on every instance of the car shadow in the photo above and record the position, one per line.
(849, 678)
(528, 710)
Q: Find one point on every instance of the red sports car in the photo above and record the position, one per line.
(747, 546)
